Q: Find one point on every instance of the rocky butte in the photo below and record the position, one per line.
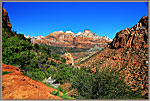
(135, 37)
(85, 39)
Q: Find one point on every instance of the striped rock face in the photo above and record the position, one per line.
(135, 37)
(84, 39)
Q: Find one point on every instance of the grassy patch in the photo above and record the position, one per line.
(64, 96)
(5, 72)
(56, 93)
(48, 85)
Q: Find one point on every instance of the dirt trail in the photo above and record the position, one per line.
(17, 86)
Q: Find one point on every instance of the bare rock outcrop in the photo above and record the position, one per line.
(135, 37)
(5, 19)
(85, 39)
(131, 63)
(69, 58)
(18, 86)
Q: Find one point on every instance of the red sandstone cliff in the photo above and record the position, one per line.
(5, 18)
(69, 39)
(126, 56)
(135, 37)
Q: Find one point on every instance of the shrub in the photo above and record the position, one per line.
(65, 73)
(62, 90)
(56, 93)
(65, 96)
(5, 72)
(83, 82)
(48, 85)
(102, 85)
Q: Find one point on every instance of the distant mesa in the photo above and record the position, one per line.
(85, 39)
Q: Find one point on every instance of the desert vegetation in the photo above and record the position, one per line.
(126, 81)
(33, 60)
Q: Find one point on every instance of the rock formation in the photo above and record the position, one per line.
(128, 54)
(135, 37)
(84, 39)
(6, 25)
(18, 86)
(5, 19)
(131, 63)
(69, 58)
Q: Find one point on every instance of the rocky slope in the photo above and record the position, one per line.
(69, 39)
(18, 86)
(131, 63)
(135, 37)
(128, 54)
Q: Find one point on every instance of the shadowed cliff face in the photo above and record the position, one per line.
(135, 37)
(5, 19)
(6, 25)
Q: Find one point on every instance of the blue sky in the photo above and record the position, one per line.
(103, 18)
